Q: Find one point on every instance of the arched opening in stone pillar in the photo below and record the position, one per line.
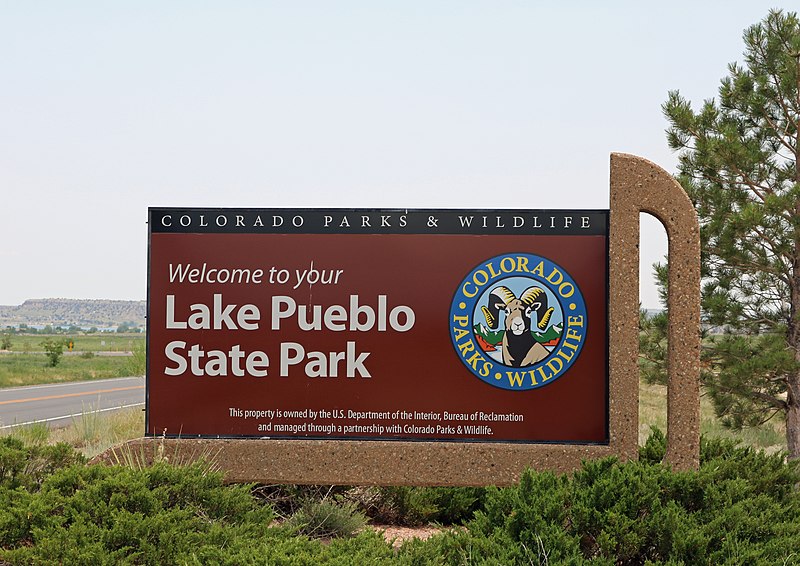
(653, 247)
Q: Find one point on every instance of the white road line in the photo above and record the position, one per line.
(72, 415)
(68, 383)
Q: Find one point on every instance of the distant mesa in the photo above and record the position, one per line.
(84, 313)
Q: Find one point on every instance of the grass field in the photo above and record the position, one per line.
(91, 433)
(109, 342)
(653, 412)
(31, 367)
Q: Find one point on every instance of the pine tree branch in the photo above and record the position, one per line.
(766, 321)
(781, 133)
(787, 159)
(771, 416)
(653, 360)
(756, 314)
(753, 186)
(768, 399)
(756, 188)
(776, 85)
(777, 378)
(796, 55)
(750, 267)
(767, 243)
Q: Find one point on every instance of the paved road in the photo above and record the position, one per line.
(58, 404)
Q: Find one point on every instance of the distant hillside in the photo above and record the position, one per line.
(78, 312)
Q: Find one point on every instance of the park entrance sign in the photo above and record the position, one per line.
(428, 347)
(462, 325)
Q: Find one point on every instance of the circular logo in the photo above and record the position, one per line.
(518, 321)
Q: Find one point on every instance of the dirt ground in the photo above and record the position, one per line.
(398, 535)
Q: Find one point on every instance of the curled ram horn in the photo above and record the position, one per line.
(536, 298)
(490, 318)
(532, 295)
(504, 293)
(499, 299)
(545, 318)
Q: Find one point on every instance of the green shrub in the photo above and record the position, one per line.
(27, 466)
(287, 499)
(278, 547)
(136, 364)
(396, 505)
(53, 350)
(741, 507)
(328, 518)
(108, 515)
(655, 447)
(413, 506)
(315, 511)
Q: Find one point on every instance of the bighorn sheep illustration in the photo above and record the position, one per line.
(519, 346)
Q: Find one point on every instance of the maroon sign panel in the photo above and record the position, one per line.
(453, 325)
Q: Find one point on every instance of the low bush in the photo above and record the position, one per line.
(741, 507)
(327, 518)
(315, 511)
(136, 364)
(27, 466)
(277, 547)
(287, 499)
(108, 515)
(53, 349)
(413, 506)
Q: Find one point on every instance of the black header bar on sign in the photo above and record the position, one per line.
(377, 221)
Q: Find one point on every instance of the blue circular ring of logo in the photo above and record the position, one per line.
(535, 317)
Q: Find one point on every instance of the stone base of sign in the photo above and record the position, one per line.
(365, 462)
(636, 186)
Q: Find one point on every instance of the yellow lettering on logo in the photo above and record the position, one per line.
(467, 346)
(555, 275)
(515, 378)
(492, 272)
(459, 333)
(572, 334)
(575, 320)
(540, 371)
(468, 293)
(566, 290)
(551, 367)
(563, 355)
(507, 265)
(474, 359)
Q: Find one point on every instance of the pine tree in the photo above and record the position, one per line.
(738, 161)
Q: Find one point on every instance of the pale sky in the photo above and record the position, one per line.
(107, 108)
